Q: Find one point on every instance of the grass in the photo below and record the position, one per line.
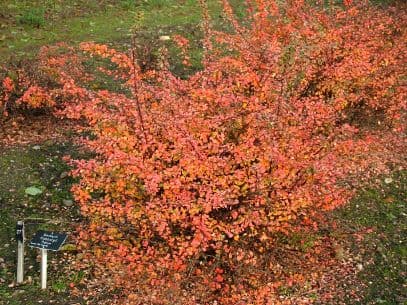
(383, 253)
(34, 17)
(24, 28)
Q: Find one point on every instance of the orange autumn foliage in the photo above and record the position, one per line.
(42, 85)
(36, 97)
(24, 94)
(205, 171)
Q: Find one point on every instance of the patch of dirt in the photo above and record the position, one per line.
(21, 130)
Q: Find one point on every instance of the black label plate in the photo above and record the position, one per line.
(20, 232)
(48, 240)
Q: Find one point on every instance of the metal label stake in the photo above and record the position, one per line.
(44, 269)
(20, 251)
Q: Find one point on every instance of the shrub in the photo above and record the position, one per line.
(195, 178)
(35, 86)
(22, 93)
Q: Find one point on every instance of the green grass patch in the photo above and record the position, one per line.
(34, 17)
(110, 22)
(384, 251)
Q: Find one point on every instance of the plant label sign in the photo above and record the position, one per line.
(48, 240)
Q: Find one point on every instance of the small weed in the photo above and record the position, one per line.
(77, 277)
(286, 291)
(34, 17)
(59, 286)
(302, 241)
(128, 4)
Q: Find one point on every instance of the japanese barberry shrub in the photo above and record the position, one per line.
(195, 177)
